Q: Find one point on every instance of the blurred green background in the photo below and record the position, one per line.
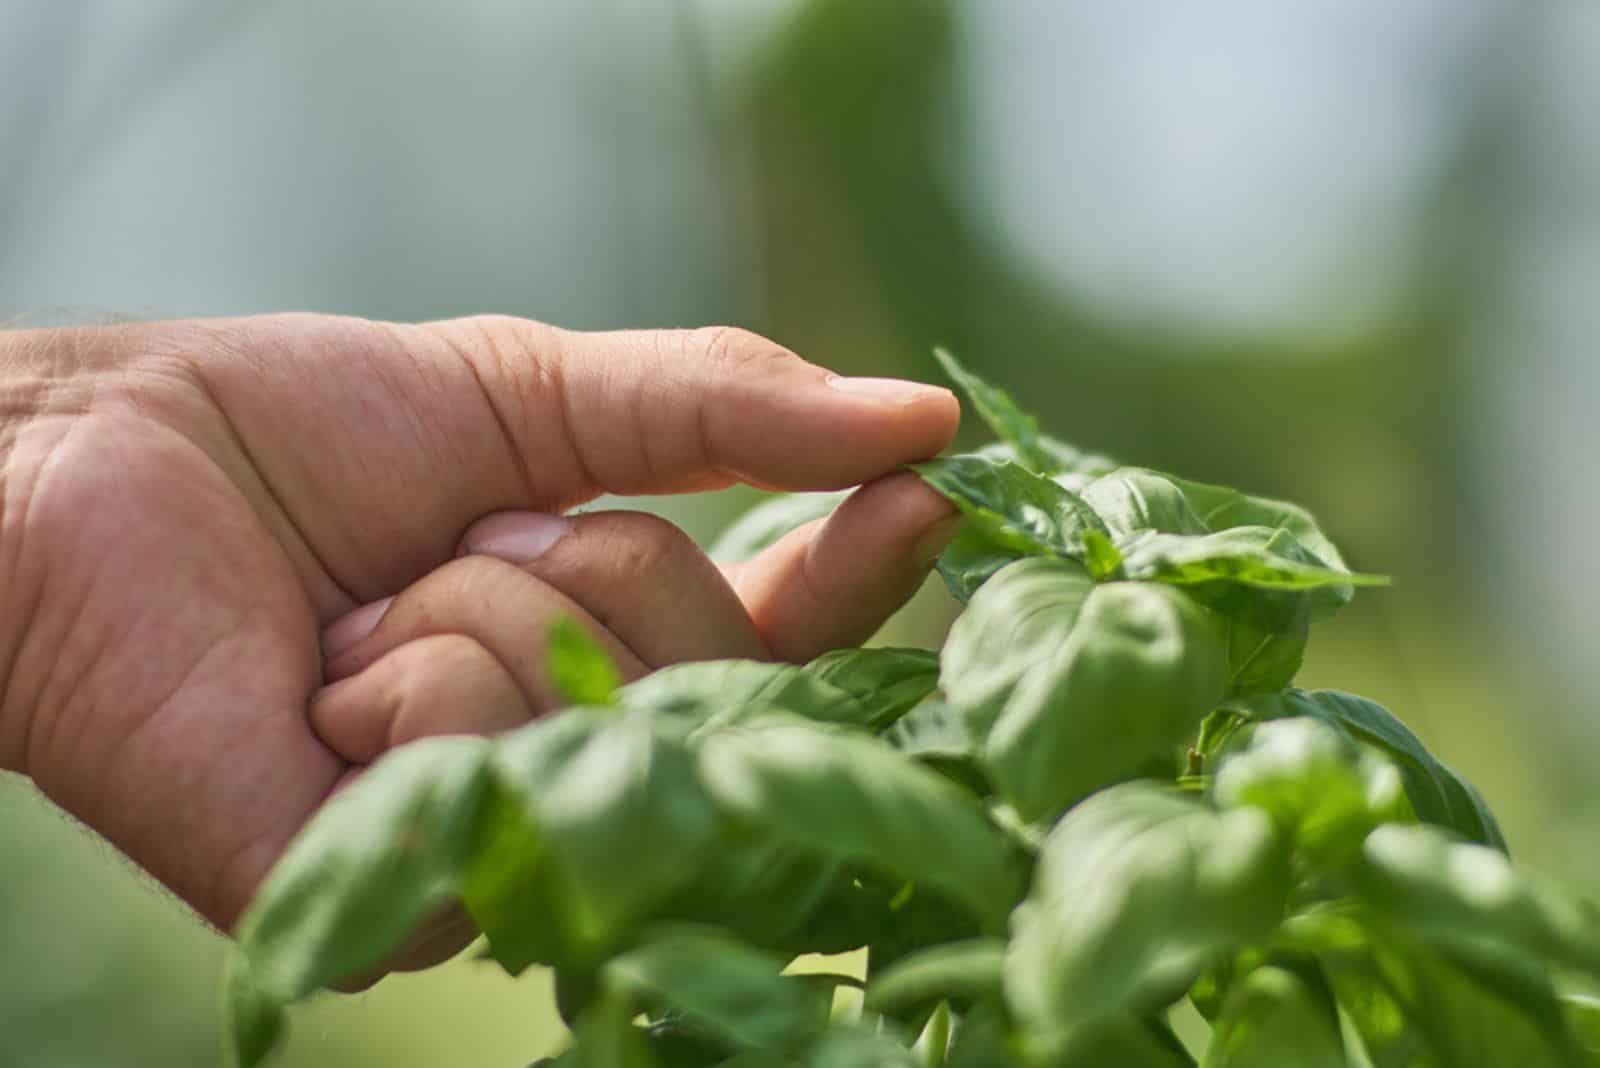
(1342, 250)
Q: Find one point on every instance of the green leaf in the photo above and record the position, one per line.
(255, 1021)
(954, 971)
(720, 985)
(1011, 628)
(1133, 499)
(1437, 794)
(1137, 889)
(1014, 509)
(606, 1037)
(1416, 1006)
(1322, 790)
(1131, 1041)
(1258, 557)
(713, 692)
(373, 862)
(1468, 899)
(582, 672)
(1273, 1018)
(1261, 659)
(995, 407)
(852, 796)
(1583, 1016)
(1140, 668)
(763, 525)
(762, 890)
(885, 682)
(615, 802)
(971, 560)
(851, 1048)
(1221, 508)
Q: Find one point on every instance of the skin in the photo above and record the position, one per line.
(241, 559)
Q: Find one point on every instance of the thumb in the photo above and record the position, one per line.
(663, 411)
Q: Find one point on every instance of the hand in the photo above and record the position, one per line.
(191, 512)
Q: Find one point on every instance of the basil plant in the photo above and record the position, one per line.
(1102, 801)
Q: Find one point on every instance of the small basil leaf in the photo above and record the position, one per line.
(1437, 794)
(885, 682)
(582, 672)
(995, 407)
(1468, 899)
(255, 1021)
(1261, 659)
(1322, 790)
(763, 525)
(1273, 1018)
(1221, 508)
(971, 560)
(1132, 499)
(1140, 668)
(1013, 508)
(719, 984)
(959, 972)
(1011, 628)
(851, 1048)
(1137, 889)
(852, 796)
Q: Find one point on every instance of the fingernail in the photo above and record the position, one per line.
(896, 390)
(936, 539)
(515, 536)
(344, 632)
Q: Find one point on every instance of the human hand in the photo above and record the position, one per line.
(191, 512)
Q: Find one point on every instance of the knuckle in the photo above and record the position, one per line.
(733, 348)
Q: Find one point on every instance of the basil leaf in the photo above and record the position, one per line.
(255, 1020)
(373, 862)
(1257, 557)
(1583, 1016)
(1137, 889)
(605, 1037)
(1010, 629)
(1011, 507)
(995, 407)
(959, 972)
(849, 795)
(885, 682)
(1323, 791)
(763, 525)
(1437, 794)
(850, 1048)
(1221, 508)
(762, 890)
(1263, 660)
(971, 560)
(613, 798)
(582, 672)
(1468, 899)
(716, 691)
(720, 985)
(1133, 499)
(1140, 668)
(1273, 1018)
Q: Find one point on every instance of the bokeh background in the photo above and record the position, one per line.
(1343, 250)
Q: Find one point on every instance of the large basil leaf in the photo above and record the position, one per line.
(1322, 790)
(1011, 627)
(850, 795)
(719, 985)
(1273, 1018)
(760, 889)
(1137, 889)
(1131, 499)
(1141, 667)
(763, 525)
(374, 862)
(614, 801)
(1437, 794)
(1013, 508)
